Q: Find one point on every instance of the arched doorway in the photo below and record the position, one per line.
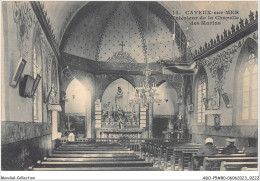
(165, 113)
(77, 108)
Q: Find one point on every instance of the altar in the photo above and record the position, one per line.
(117, 116)
(119, 133)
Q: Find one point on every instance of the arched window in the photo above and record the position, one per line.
(37, 99)
(201, 94)
(248, 87)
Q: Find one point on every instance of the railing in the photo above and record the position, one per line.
(129, 140)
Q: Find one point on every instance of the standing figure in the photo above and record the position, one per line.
(119, 98)
(121, 125)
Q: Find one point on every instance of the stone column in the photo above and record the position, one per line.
(55, 109)
(92, 124)
(88, 117)
(150, 120)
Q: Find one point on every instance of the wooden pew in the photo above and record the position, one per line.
(96, 169)
(129, 163)
(97, 159)
(175, 154)
(72, 155)
(185, 156)
(249, 169)
(91, 149)
(214, 163)
(92, 152)
(209, 157)
(236, 166)
(93, 157)
(189, 158)
(179, 155)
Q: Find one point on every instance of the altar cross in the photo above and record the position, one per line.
(122, 46)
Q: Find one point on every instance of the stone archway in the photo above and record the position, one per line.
(78, 108)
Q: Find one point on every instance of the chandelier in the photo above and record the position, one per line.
(146, 93)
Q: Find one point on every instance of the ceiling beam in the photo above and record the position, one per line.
(103, 67)
(38, 11)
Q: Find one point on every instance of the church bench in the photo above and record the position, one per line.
(96, 169)
(186, 156)
(176, 154)
(236, 166)
(150, 151)
(249, 169)
(163, 154)
(196, 157)
(182, 156)
(90, 145)
(94, 164)
(104, 155)
(93, 158)
(214, 163)
(98, 159)
(92, 149)
(93, 152)
(166, 154)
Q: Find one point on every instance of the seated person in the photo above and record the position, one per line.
(251, 151)
(252, 148)
(230, 148)
(208, 148)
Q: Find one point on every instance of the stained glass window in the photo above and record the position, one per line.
(249, 106)
(201, 93)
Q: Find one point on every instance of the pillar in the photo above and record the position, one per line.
(54, 131)
(92, 123)
(150, 120)
(88, 116)
(54, 114)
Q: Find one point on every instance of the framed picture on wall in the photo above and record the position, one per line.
(48, 95)
(35, 84)
(213, 101)
(18, 71)
(227, 100)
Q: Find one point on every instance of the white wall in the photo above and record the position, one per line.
(167, 92)
(77, 104)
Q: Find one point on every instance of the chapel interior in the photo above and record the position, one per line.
(138, 81)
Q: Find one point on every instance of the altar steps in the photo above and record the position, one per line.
(98, 169)
(104, 155)
(93, 152)
(92, 149)
(89, 144)
(93, 157)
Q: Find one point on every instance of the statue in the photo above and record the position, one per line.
(121, 125)
(108, 111)
(119, 98)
